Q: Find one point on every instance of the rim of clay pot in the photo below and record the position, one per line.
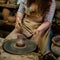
(56, 40)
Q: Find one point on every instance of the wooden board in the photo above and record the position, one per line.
(9, 5)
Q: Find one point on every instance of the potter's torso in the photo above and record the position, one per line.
(32, 12)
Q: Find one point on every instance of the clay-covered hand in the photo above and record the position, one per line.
(18, 23)
(35, 33)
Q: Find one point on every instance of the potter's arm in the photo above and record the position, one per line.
(48, 17)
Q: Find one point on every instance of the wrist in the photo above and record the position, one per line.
(38, 30)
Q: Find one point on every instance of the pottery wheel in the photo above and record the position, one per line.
(10, 47)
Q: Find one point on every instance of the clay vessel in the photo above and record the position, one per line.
(11, 19)
(55, 47)
(5, 13)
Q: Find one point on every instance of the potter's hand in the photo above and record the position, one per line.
(18, 20)
(35, 33)
(35, 36)
(18, 24)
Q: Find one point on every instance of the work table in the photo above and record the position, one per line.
(6, 56)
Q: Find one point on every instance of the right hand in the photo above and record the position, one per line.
(19, 17)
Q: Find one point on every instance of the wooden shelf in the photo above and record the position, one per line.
(6, 22)
(9, 5)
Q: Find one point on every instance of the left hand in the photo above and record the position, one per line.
(35, 32)
(35, 36)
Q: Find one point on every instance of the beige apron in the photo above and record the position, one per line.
(42, 38)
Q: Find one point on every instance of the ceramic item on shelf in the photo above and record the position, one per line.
(55, 47)
(11, 1)
(2, 1)
(5, 13)
(11, 19)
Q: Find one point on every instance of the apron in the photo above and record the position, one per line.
(28, 27)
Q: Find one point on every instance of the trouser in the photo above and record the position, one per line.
(48, 46)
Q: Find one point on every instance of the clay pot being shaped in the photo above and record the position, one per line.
(55, 47)
(20, 41)
(5, 13)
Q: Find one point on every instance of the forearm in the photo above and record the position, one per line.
(44, 26)
(19, 16)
